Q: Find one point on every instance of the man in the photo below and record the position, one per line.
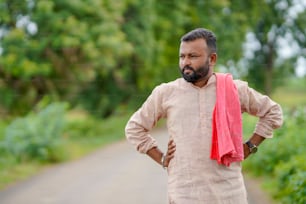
(188, 104)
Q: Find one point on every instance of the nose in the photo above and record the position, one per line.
(185, 62)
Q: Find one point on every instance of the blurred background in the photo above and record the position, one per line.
(72, 72)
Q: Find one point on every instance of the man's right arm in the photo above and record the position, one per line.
(140, 124)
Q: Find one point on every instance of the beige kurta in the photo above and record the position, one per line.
(193, 177)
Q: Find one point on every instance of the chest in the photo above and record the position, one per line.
(191, 103)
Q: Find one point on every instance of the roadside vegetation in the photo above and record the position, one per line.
(280, 162)
(52, 134)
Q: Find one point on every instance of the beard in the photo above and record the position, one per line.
(196, 74)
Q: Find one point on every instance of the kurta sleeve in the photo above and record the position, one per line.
(138, 127)
(269, 112)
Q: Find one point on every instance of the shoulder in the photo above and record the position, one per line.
(240, 84)
(243, 90)
(168, 87)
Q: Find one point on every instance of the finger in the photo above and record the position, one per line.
(171, 149)
(171, 145)
(171, 152)
(169, 157)
(171, 142)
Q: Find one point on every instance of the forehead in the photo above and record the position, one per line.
(195, 46)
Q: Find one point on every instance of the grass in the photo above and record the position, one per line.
(85, 134)
(11, 171)
(290, 98)
(292, 94)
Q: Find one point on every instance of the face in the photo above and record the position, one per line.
(195, 61)
(193, 75)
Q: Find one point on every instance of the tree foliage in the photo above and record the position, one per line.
(277, 21)
(75, 47)
(99, 54)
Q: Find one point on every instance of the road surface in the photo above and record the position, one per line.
(116, 174)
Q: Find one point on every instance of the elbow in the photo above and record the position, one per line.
(128, 132)
(279, 117)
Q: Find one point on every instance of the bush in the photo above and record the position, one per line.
(36, 136)
(283, 158)
(83, 127)
(291, 180)
(87, 127)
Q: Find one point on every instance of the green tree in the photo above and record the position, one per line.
(61, 48)
(102, 53)
(275, 20)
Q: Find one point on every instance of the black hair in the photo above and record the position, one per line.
(203, 33)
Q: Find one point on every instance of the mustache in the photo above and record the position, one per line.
(188, 68)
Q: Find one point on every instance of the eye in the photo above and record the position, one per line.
(194, 56)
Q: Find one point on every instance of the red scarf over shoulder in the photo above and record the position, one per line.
(227, 144)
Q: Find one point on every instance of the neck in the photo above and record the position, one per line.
(202, 82)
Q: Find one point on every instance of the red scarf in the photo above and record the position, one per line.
(227, 144)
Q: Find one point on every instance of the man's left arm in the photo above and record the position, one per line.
(269, 113)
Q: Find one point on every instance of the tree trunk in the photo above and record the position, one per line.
(269, 71)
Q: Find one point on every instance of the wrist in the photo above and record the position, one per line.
(251, 147)
(163, 158)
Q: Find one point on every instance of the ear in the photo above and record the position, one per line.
(213, 59)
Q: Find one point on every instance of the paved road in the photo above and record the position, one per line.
(116, 174)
